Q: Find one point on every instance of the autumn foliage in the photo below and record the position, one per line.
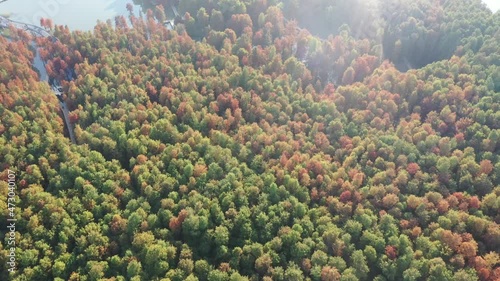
(242, 146)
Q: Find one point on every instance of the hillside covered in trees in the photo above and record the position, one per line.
(258, 140)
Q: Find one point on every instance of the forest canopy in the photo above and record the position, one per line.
(257, 140)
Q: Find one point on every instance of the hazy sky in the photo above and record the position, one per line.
(83, 14)
(493, 4)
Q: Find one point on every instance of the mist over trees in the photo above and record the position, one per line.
(258, 140)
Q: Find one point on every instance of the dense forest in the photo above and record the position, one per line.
(258, 140)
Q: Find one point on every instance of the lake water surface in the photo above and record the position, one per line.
(77, 14)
